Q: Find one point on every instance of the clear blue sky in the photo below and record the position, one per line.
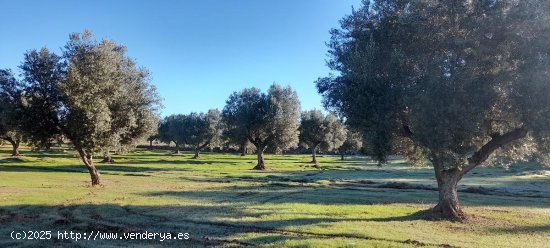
(198, 51)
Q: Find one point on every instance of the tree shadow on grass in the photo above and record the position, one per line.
(203, 224)
(103, 168)
(179, 162)
(51, 154)
(10, 160)
(301, 189)
(111, 218)
(275, 193)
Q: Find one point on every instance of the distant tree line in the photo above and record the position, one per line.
(269, 120)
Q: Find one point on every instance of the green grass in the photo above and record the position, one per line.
(221, 202)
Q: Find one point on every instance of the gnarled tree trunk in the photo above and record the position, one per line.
(448, 206)
(177, 148)
(261, 162)
(15, 147)
(342, 155)
(150, 144)
(198, 149)
(197, 153)
(87, 158)
(314, 156)
(14, 144)
(244, 149)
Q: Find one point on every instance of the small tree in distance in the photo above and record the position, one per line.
(201, 130)
(171, 130)
(265, 119)
(237, 137)
(353, 143)
(152, 138)
(321, 132)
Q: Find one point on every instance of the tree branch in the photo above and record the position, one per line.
(406, 130)
(253, 141)
(204, 145)
(407, 133)
(496, 142)
(8, 139)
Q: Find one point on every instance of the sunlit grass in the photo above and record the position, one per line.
(220, 201)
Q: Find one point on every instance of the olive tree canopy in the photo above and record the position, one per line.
(236, 137)
(265, 119)
(96, 97)
(43, 72)
(10, 110)
(461, 83)
(171, 129)
(201, 130)
(318, 131)
(352, 144)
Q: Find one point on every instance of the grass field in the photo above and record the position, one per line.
(219, 201)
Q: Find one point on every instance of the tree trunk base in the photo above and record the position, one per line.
(447, 212)
(94, 174)
(259, 167)
(197, 154)
(448, 206)
(261, 161)
(108, 160)
(15, 148)
(95, 179)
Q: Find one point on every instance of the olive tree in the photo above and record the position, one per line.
(352, 144)
(80, 96)
(461, 83)
(135, 110)
(171, 129)
(10, 110)
(153, 138)
(42, 73)
(107, 99)
(236, 137)
(266, 119)
(201, 130)
(318, 131)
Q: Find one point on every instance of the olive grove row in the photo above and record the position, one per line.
(266, 121)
